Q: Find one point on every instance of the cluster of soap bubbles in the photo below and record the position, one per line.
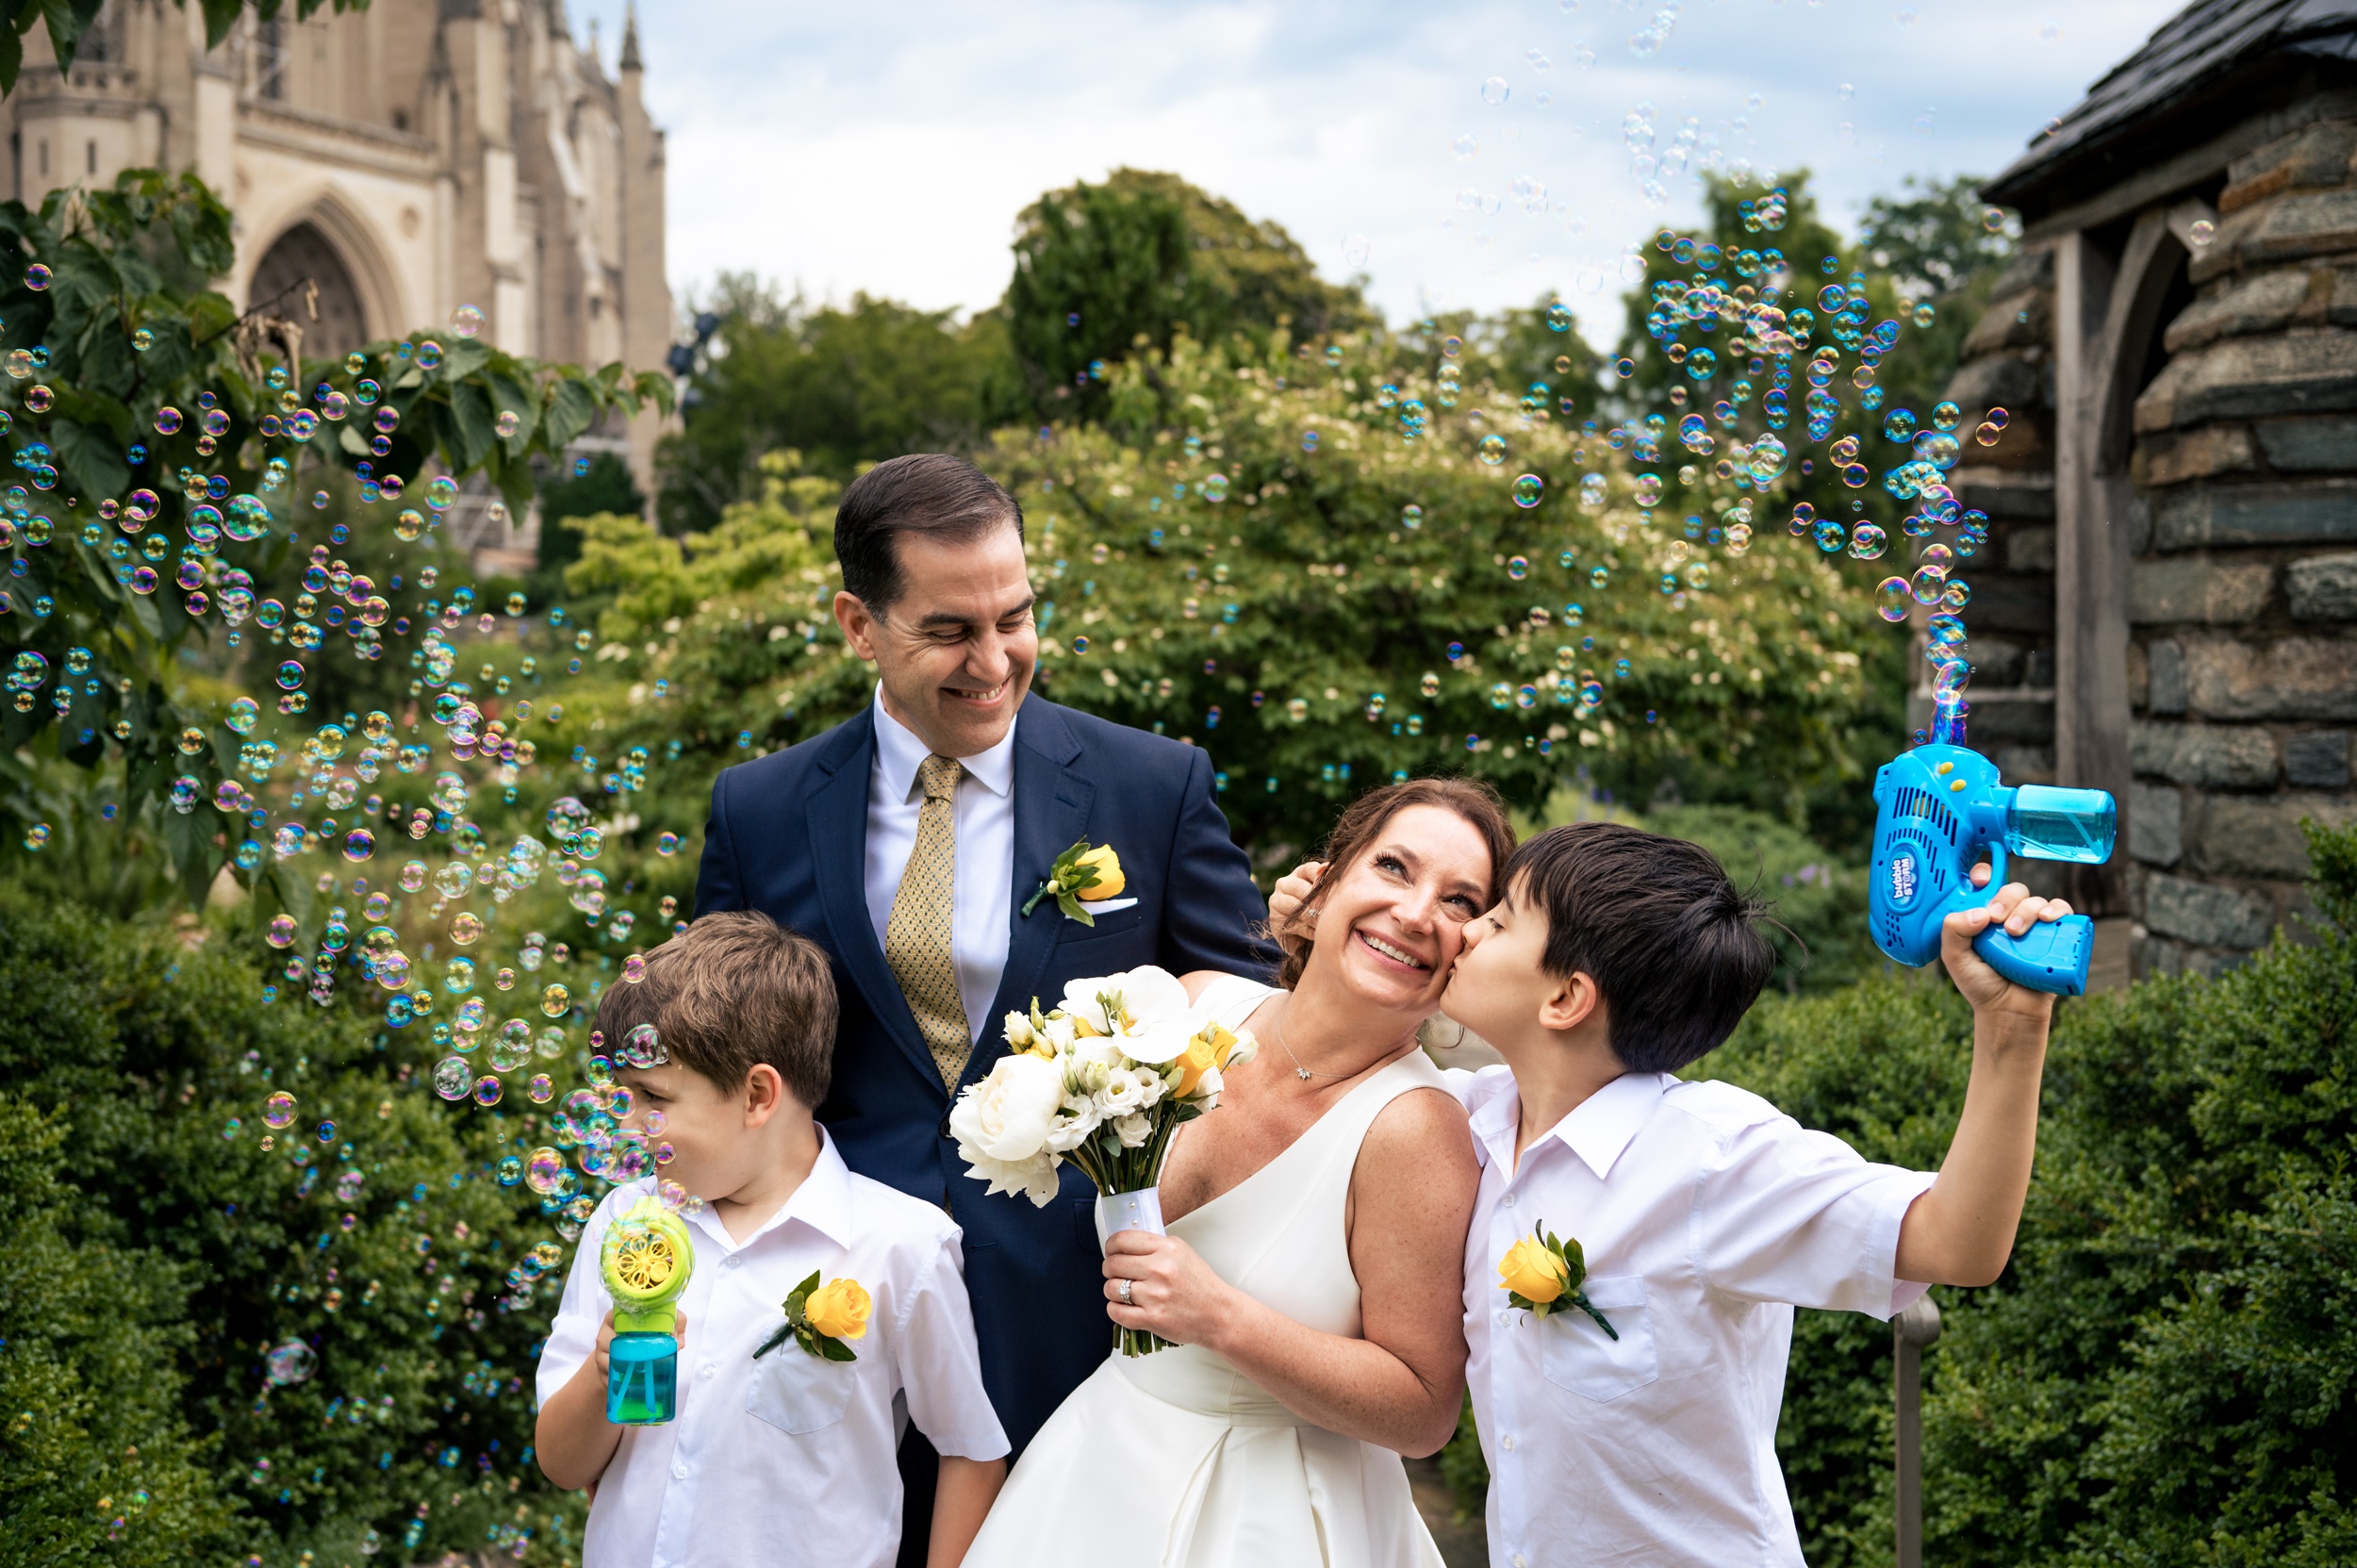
(413, 902)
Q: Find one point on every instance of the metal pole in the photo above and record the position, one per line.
(1910, 1331)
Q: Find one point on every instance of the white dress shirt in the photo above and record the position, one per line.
(1706, 1216)
(982, 918)
(790, 1457)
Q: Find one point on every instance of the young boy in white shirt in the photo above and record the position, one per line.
(787, 1456)
(1706, 1215)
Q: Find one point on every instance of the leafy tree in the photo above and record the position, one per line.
(1284, 606)
(605, 484)
(1102, 271)
(68, 19)
(148, 390)
(842, 386)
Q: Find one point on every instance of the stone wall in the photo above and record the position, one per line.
(2009, 364)
(2243, 581)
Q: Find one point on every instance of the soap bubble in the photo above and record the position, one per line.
(37, 277)
(556, 1000)
(282, 931)
(1891, 598)
(542, 1088)
(1868, 542)
(2200, 233)
(167, 422)
(1215, 488)
(453, 1078)
(1493, 450)
(467, 321)
(544, 1171)
(641, 1048)
(1527, 489)
(1495, 91)
(290, 1363)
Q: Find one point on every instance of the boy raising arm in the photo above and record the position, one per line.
(1706, 1215)
(727, 1040)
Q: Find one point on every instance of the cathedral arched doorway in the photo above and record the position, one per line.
(301, 254)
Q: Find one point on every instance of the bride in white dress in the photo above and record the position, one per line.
(1311, 1278)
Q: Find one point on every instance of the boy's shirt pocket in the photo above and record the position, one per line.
(1582, 1358)
(799, 1393)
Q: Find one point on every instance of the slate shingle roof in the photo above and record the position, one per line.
(2213, 59)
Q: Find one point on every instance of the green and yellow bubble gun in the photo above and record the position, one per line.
(646, 1259)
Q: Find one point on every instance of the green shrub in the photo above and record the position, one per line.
(95, 1460)
(382, 1247)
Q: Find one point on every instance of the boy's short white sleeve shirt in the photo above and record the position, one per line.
(789, 1455)
(1706, 1216)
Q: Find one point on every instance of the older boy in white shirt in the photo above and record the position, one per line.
(1706, 1215)
(787, 1456)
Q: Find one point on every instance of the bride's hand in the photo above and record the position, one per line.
(1172, 1293)
(1292, 891)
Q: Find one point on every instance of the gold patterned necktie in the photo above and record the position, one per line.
(917, 939)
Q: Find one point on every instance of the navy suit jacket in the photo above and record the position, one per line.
(788, 837)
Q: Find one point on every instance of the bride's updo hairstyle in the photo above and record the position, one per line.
(1363, 821)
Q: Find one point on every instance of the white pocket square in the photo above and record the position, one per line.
(1106, 906)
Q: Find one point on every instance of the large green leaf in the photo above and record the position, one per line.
(471, 421)
(572, 406)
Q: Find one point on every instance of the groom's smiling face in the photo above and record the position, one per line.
(955, 650)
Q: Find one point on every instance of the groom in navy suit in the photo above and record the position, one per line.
(906, 841)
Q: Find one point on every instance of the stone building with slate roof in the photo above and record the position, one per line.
(2169, 606)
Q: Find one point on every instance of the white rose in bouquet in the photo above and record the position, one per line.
(1004, 1123)
(1081, 1118)
(1124, 1091)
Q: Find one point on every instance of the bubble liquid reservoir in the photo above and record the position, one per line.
(642, 1380)
(2046, 822)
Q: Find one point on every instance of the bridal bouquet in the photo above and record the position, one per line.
(1102, 1080)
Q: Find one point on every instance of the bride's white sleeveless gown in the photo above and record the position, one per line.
(1177, 1459)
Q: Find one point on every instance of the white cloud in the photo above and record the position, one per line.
(888, 148)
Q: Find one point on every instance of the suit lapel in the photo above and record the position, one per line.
(1051, 811)
(837, 816)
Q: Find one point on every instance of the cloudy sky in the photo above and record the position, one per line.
(843, 147)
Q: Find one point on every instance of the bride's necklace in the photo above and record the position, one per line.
(1299, 1071)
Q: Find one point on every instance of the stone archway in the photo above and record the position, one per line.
(301, 254)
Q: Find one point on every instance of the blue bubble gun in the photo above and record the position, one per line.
(1935, 808)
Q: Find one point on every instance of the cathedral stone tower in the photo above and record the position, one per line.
(406, 159)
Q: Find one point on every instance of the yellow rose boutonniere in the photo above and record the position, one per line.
(1081, 871)
(1542, 1274)
(820, 1317)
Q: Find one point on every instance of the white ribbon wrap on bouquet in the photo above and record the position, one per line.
(1137, 1211)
